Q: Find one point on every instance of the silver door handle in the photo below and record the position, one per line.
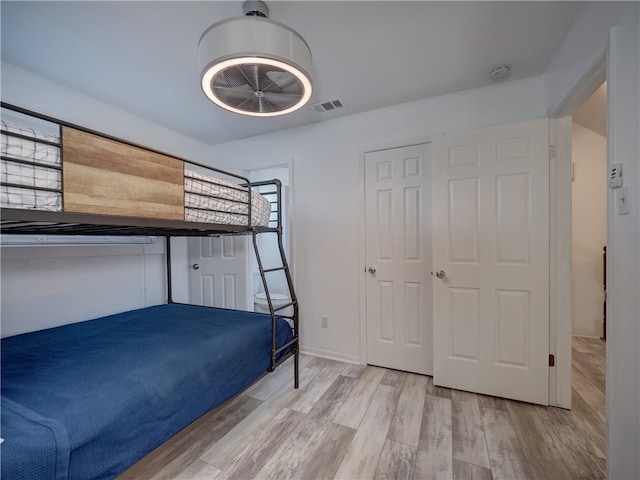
(371, 270)
(441, 274)
(195, 266)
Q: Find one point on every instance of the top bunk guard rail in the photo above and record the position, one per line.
(62, 123)
(65, 220)
(278, 202)
(27, 137)
(31, 165)
(26, 162)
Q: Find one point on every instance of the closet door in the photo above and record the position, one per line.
(491, 257)
(398, 258)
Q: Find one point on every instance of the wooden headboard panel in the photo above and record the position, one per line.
(104, 176)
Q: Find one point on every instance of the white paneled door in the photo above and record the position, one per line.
(491, 258)
(398, 258)
(218, 271)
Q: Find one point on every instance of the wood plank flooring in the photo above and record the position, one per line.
(354, 422)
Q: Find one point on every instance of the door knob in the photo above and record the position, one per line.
(195, 266)
(441, 274)
(371, 270)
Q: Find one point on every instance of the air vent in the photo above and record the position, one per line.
(330, 106)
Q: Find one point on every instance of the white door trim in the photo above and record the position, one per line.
(584, 88)
(560, 234)
(289, 232)
(560, 323)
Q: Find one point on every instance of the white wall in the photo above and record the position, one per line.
(43, 287)
(327, 187)
(590, 35)
(46, 286)
(589, 230)
(26, 90)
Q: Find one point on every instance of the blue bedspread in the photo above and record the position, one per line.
(87, 400)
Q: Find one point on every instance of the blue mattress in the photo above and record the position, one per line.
(87, 400)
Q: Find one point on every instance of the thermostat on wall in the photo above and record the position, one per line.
(615, 176)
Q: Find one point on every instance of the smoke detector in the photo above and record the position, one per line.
(500, 73)
(255, 66)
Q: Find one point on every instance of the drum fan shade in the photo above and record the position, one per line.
(254, 66)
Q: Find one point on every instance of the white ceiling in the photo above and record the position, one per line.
(142, 56)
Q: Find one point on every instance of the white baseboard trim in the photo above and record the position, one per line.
(341, 357)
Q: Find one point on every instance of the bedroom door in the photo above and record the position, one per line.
(218, 271)
(491, 258)
(398, 258)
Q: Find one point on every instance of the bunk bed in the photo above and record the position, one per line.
(89, 399)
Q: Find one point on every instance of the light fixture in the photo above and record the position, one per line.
(254, 66)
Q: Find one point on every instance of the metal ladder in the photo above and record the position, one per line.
(294, 343)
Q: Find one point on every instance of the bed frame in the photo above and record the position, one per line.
(114, 187)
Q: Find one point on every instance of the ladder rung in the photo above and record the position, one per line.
(267, 270)
(282, 307)
(295, 340)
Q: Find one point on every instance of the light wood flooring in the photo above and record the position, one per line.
(356, 422)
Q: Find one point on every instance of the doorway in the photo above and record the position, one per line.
(588, 256)
(268, 245)
(561, 294)
(589, 215)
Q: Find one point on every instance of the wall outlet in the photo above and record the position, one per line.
(325, 322)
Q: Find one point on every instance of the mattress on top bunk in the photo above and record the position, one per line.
(87, 400)
(31, 164)
(212, 200)
(31, 177)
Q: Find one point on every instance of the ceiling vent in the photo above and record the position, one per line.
(254, 66)
(325, 107)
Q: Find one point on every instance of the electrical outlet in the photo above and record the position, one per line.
(325, 322)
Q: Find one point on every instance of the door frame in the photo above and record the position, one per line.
(560, 228)
(289, 231)
(362, 261)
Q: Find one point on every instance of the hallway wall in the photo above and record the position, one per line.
(589, 230)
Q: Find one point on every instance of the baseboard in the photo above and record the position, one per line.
(341, 357)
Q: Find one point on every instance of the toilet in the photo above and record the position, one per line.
(277, 299)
